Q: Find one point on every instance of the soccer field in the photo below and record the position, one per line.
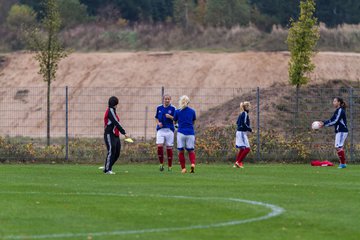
(217, 202)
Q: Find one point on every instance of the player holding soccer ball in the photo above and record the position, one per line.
(185, 117)
(242, 141)
(338, 120)
(165, 131)
(112, 130)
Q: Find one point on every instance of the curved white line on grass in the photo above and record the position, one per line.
(275, 211)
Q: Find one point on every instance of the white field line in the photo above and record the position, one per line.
(275, 211)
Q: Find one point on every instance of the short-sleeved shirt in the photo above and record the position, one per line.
(185, 118)
(161, 111)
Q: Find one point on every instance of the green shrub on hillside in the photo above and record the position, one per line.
(20, 16)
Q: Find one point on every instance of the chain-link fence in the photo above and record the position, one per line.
(280, 116)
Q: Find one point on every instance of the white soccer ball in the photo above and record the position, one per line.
(316, 125)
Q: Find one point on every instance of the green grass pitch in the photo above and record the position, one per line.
(79, 202)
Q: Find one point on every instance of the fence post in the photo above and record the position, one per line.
(162, 93)
(146, 120)
(258, 123)
(66, 123)
(351, 104)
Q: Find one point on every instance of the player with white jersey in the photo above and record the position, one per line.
(185, 117)
(165, 131)
(338, 120)
(242, 141)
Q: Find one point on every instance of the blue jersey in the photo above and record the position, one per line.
(185, 119)
(243, 122)
(338, 120)
(160, 115)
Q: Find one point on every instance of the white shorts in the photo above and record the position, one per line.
(165, 136)
(242, 140)
(340, 139)
(185, 141)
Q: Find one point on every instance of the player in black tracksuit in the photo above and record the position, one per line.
(111, 135)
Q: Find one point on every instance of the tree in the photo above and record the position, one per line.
(160, 10)
(334, 12)
(302, 39)
(280, 10)
(48, 49)
(262, 21)
(200, 12)
(36, 5)
(182, 11)
(227, 13)
(5, 6)
(72, 12)
(20, 16)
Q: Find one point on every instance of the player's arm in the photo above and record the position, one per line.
(176, 117)
(169, 116)
(113, 119)
(333, 120)
(158, 123)
(246, 118)
(242, 120)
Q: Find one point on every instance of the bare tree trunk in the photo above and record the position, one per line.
(49, 66)
(296, 113)
(297, 100)
(48, 114)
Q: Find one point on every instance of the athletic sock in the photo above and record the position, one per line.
(182, 159)
(192, 157)
(238, 156)
(244, 154)
(160, 151)
(341, 154)
(169, 153)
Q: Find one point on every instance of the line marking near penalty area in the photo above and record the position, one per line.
(275, 211)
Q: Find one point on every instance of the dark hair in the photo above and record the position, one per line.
(342, 102)
(113, 101)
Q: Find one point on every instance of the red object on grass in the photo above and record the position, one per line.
(318, 163)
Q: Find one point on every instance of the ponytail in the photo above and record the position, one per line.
(184, 102)
(342, 102)
(243, 105)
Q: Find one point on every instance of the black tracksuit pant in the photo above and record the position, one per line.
(113, 146)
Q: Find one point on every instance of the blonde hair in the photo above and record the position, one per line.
(184, 102)
(244, 105)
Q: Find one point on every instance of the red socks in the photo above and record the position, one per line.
(169, 152)
(192, 157)
(341, 154)
(160, 152)
(238, 156)
(182, 159)
(242, 154)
